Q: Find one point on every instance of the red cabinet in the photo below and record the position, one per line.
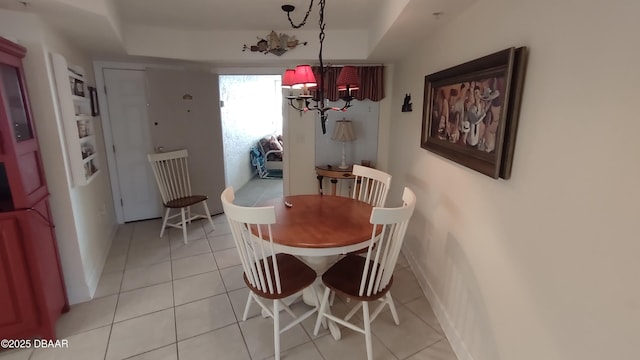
(32, 293)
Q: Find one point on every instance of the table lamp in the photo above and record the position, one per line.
(343, 132)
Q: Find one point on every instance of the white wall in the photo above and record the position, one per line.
(92, 207)
(194, 125)
(299, 151)
(364, 116)
(387, 119)
(84, 215)
(544, 265)
(251, 110)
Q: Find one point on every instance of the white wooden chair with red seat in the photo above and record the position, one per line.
(171, 171)
(269, 275)
(369, 278)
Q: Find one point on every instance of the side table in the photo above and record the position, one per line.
(334, 173)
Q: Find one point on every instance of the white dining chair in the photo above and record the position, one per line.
(172, 176)
(269, 275)
(369, 278)
(371, 185)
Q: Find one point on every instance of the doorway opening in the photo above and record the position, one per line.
(250, 110)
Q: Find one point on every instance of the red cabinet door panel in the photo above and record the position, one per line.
(42, 255)
(17, 309)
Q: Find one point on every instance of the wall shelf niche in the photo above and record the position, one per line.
(79, 125)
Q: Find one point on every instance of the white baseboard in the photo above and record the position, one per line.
(457, 344)
(77, 295)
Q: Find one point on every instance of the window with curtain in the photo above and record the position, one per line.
(371, 83)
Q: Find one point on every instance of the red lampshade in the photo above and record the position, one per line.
(289, 78)
(348, 78)
(304, 77)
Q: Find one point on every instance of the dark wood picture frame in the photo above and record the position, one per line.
(470, 111)
(95, 108)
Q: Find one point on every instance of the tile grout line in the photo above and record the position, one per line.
(126, 258)
(237, 323)
(173, 300)
(421, 350)
(415, 314)
(118, 299)
(226, 291)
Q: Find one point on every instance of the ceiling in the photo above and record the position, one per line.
(256, 15)
(214, 31)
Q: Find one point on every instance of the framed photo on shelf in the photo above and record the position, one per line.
(470, 111)
(95, 108)
(77, 87)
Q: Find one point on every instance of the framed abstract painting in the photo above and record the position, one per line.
(470, 111)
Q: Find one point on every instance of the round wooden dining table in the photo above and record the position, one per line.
(320, 225)
(318, 228)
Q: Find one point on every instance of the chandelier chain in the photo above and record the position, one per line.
(321, 105)
(321, 38)
(304, 21)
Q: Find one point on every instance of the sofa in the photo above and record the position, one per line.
(271, 148)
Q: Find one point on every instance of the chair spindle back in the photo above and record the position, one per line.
(382, 258)
(257, 256)
(373, 187)
(172, 174)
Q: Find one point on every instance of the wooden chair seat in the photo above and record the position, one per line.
(344, 278)
(185, 201)
(294, 276)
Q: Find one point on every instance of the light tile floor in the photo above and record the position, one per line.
(161, 299)
(258, 190)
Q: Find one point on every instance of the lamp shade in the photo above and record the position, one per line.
(304, 77)
(343, 131)
(289, 78)
(348, 78)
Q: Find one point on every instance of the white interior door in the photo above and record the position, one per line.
(127, 103)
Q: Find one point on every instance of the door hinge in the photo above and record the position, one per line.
(114, 148)
(105, 89)
(121, 202)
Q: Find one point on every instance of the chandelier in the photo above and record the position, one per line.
(302, 76)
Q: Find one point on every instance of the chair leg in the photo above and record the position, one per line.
(323, 305)
(367, 330)
(208, 214)
(392, 307)
(332, 298)
(164, 222)
(246, 308)
(276, 329)
(184, 225)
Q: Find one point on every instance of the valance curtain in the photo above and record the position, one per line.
(371, 83)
